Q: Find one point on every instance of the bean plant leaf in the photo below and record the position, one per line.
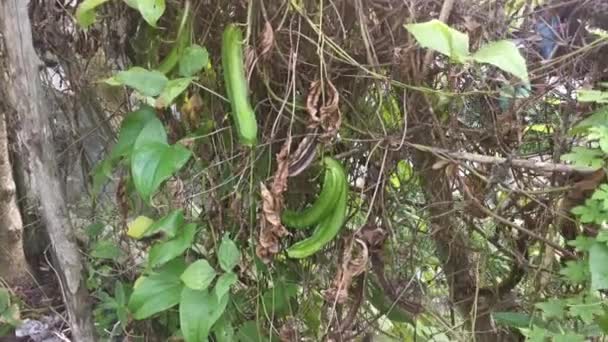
(504, 55)
(553, 308)
(168, 225)
(601, 195)
(193, 60)
(575, 271)
(222, 286)
(600, 133)
(157, 292)
(198, 275)
(173, 89)
(597, 118)
(85, 13)
(152, 132)
(592, 95)
(105, 249)
(138, 227)
(150, 10)
(198, 311)
(228, 254)
(146, 82)
(598, 261)
(438, 36)
(130, 128)
(163, 252)
(586, 157)
(586, 311)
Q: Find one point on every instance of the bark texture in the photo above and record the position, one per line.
(13, 265)
(34, 147)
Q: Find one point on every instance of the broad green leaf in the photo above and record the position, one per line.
(598, 266)
(153, 163)
(438, 36)
(602, 322)
(586, 157)
(151, 10)
(569, 337)
(228, 254)
(586, 311)
(600, 133)
(581, 243)
(194, 59)
(198, 275)
(575, 271)
(597, 118)
(163, 252)
(592, 211)
(277, 299)
(106, 250)
(152, 132)
(130, 128)
(250, 332)
(553, 308)
(602, 236)
(94, 229)
(157, 292)
(5, 299)
(168, 225)
(222, 286)
(515, 319)
(590, 95)
(172, 90)
(223, 331)
(138, 227)
(198, 311)
(536, 334)
(504, 55)
(85, 13)
(146, 82)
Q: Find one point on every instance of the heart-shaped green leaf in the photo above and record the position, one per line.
(147, 82)
(199, 275)
(172, 90)
(198, 311)
(228, 254)
(163, 252)
(85, 13)
(505, 55)
(194, 59)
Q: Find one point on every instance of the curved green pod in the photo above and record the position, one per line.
(332, 182)
(236, 85)
(327, 229)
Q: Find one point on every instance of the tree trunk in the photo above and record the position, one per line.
(13, 265)
(34, 147)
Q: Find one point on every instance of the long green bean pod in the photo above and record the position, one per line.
(236, 85)
(332, 185)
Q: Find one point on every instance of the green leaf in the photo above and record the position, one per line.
(438, 36)
(585, 157)
(277, 299)
(504, 55)
(228, 254)
(222, 286)
(515, 319)
(157, 292)
(589, 95)
(106, 250)
(194, 59)
(597, 118)
(600, 133)
(198, 311)
(587, 311)
(592, 211)
(575, 271)
(168, 225)
(85, 13)
(94, 229)
(163, 252)
(569, 337)
(150, 10)
(154, 163)
(199, 275)
(130, 128)
(601, 195)
(152, 132)
(581, 243)
(146, 82)
(536, 334)
(223, 330)
(5, 299)
(598, 266)
(249, 332)
(172, 90)
(553, 308)
(138, 227)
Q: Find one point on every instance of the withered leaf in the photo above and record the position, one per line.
(353, 264)
(267, 41)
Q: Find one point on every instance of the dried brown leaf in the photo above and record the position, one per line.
(325, 114)
(312, 102)
(267, 41)
(303, 156)
(353, 264)
(272, 204)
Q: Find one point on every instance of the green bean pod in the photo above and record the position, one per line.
(324, 204)
(326, 230)
(236, 85)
